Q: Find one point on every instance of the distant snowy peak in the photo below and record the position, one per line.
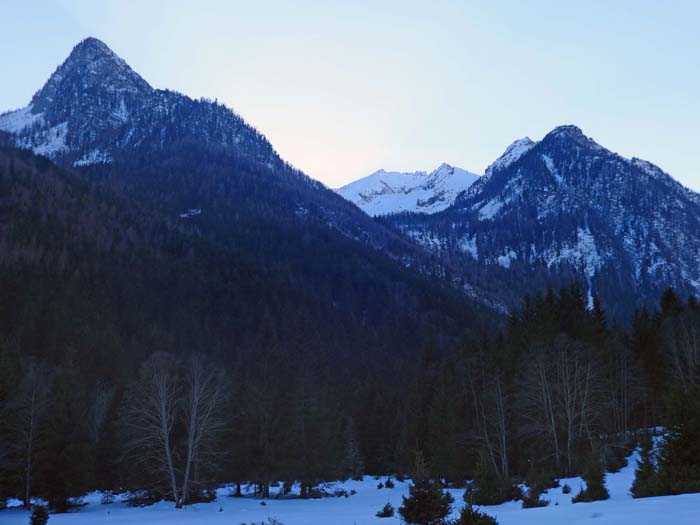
(512, 153)
(387, 192)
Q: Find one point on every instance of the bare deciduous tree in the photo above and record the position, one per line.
(29, 407)
(204, 415)
(558, 396)
(166, 395)
(148, 418)
(486, 391)
(102, 397)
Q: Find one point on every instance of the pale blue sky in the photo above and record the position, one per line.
(344, 88)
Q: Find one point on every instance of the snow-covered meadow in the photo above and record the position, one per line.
(360, 508)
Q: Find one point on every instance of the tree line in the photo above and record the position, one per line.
(557, 390)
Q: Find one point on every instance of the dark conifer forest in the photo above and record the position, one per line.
(137, 354)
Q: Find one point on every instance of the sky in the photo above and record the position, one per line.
(343, 88)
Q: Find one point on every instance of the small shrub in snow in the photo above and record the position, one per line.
(389, 484)
(341, 493)
(202, 496)
(387, 511)
(268, 521)
(533, 500)
(514, 493)
(472, 516)
(541, 480)
(566, 489)
(380, 485)
(39, 516)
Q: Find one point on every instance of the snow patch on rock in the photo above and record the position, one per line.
(15, 121)
(512, 153)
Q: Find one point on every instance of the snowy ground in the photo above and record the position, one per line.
(360, 508)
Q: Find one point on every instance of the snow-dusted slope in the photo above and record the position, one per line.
(567, 209)
(385, 192)
(512, 153)
(365, 500)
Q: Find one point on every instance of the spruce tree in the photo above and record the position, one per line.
(427, 503)
(387, 511)
(595, 490)
(487, 487)
(471, 516)
(39, 515)
(679, 450)
(670, 304)
(353, 465)
(65, 464)
(645, 475)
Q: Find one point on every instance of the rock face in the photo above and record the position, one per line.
(386, 192)
(566, 208)
(95, 107)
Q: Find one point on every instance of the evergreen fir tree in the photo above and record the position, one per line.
(353, 463)
(442, 431)
(39, 515)
(645, 482)
(387, 511)
(471, 516)
(595, 490)
(487, 487)
(427, 503)
(679, 450)
(670, 303)
(65, 464)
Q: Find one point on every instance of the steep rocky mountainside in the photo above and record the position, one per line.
(566, 208)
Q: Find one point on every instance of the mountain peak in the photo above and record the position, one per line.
(444, 167)
(569, 134)
(567, 130)
(91, 67)
(93, 45)
(512, 153)
(385, 192)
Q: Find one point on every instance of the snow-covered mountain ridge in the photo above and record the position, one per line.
(385, 192)
(566, 208)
